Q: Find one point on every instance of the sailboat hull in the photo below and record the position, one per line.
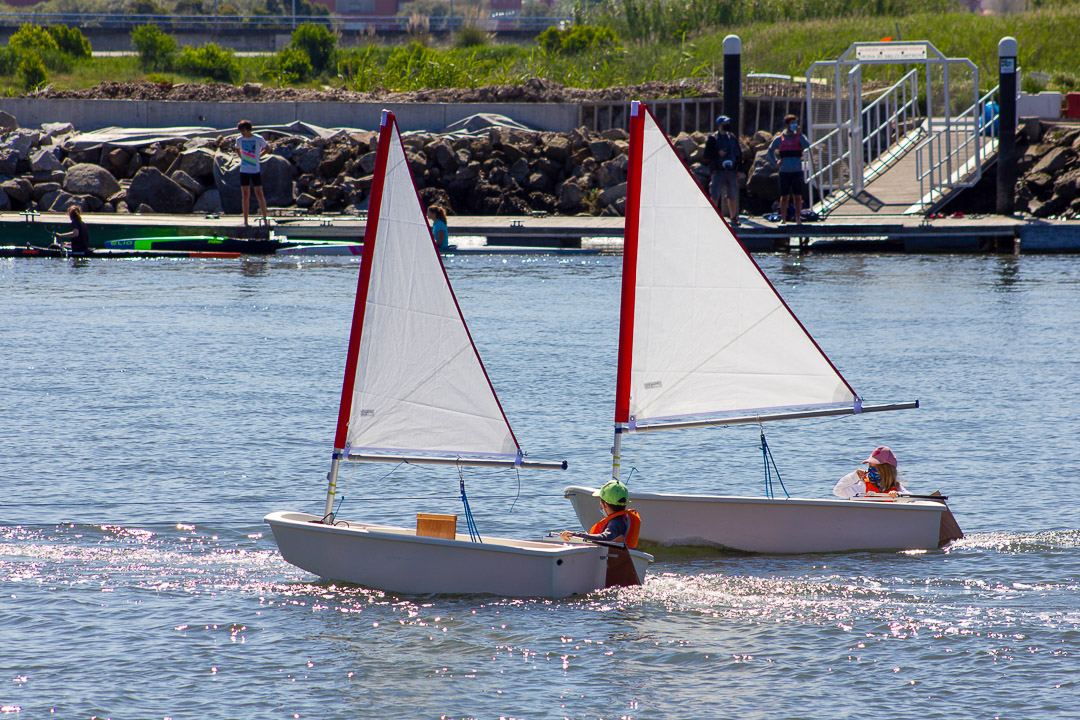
(782, 526)
(395, 559)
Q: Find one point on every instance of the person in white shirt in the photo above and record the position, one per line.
(879, 479)
(250, 148)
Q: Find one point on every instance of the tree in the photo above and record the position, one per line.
(156, 49)
(318, 42)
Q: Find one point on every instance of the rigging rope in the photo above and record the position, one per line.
(517, 471)
(474, 533)
(633, 465)
(766, 455)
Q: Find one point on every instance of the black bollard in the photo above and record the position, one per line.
(1006, 165)
(733, 81)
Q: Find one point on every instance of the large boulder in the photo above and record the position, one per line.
(46, 160)
(8, 122)
(160, 193)
(42, 189)
(367, 163)
(571, 195)
(762, 184)
(197, 162)
(557, 147)
(87, 179)
(60, 201)
(9, 162)
(19, 190)
(307, 159)
(333, 161)
(209, 203)
(602, 150)
(1054, 160)
(189, 183)
(116, 161)
(57, 129)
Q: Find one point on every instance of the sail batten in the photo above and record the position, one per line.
(414, 381)
(710, 334)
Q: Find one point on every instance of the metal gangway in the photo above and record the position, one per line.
(905, 148)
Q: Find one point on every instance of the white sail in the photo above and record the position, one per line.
(711, 335)
(419, 385)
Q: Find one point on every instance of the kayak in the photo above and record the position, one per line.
(200, 243)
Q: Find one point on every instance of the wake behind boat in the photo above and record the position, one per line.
(706, 340)
(416, 391)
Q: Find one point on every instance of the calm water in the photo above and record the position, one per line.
(154, 411)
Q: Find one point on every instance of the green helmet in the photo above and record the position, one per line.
(613, 493)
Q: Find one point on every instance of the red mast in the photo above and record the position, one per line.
(629, 273)
(370, 231)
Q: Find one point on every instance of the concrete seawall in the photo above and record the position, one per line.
(96, 114)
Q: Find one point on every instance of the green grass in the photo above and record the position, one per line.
(1046, 40)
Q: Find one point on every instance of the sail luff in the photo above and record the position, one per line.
(629, 270)
(371, 229)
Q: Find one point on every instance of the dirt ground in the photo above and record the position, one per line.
(533, 90)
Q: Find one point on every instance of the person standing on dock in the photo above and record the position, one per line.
(724, 156)
(79, 236)
(790, 146)
(250, 148)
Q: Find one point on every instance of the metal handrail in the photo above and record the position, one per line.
(833, 161)
(959, 166)
(903, 97)
(827, 153)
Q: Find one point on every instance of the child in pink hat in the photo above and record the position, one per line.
(879, 479)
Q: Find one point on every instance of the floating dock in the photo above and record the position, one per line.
(900, 234)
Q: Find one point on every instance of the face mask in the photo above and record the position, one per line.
(794, 127)
(874, 475)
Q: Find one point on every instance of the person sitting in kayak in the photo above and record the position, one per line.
(879, 478)
(79, 236)
(619, 524)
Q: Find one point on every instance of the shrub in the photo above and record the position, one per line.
(291, 65)
(145, 7)
(577, 39)
(210, 61)
(71, 41)
(156, 49)
(318, 42)
(471, 36)
(33, 39)
(31, 72)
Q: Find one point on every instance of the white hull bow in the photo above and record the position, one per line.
(394, 559)
(771, 525)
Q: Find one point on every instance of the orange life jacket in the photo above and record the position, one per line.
(631, 534)
(872, 488)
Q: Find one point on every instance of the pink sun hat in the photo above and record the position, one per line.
(881, 455)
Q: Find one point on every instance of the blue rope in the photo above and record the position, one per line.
(474, 533)
(766, 456)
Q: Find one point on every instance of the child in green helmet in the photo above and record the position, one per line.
(619, 524)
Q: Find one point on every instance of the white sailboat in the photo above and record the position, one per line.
(416, 391)
(705, 340)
